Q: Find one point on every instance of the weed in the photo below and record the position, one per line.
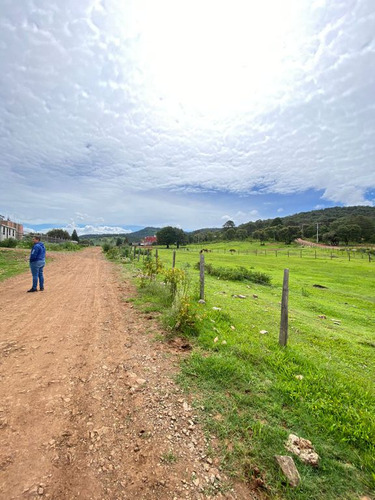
(168, 457)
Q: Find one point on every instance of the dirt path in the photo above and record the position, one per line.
(88, 408)
(307, 243)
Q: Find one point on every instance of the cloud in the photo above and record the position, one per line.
(114, 111)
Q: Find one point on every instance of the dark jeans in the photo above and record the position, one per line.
(37, 272)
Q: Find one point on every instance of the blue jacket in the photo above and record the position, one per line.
(38, 252)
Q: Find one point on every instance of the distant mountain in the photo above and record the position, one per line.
(142, 233)
(329, 215)
(131, 237)
(204, 230)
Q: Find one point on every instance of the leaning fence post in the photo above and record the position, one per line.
(156, 257)
(134, 252)
(174, 259)
(201, 276)
(283, 336)
(139, 254)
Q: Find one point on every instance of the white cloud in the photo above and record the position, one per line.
(112, 112)
(101, 230)
(280, 210)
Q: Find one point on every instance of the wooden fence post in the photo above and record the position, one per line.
(174, 259)
(134, 252)
(283, 336)
(139, 254)
(156, 256)
(201, 276)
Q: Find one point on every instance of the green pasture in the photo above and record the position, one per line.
(254, 392)
(12, 262)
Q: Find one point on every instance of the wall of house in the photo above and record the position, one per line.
(9, 229)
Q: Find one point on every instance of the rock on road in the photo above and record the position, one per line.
(88, 407)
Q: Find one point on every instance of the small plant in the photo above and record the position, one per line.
(173, 278)
(151, 267)
(169, 457)
(182, 316)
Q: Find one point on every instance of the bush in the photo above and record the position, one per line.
(113, 253)
(106, 246)
(182, 317)
(8, 243)
(62, 247)
(237, 274)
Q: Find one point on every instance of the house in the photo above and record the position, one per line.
(148, 241)
(9, 229)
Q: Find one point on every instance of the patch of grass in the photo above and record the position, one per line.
(169, 458)
(12, 262)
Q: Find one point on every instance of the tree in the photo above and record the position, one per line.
(75, 236)
(331, 238)
(180, 237)
(171, 235)
(289, 233)
(260, 235)
(229, 224)
(119, 242)
(230, 234)
(241, 234)
(277, 222)
(59, 233)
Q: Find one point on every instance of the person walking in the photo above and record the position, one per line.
(37, 263)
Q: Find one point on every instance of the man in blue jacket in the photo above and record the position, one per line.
(37, 263)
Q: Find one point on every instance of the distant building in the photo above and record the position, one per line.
(9, 229)
(148, 241)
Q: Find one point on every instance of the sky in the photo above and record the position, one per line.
(116, 115)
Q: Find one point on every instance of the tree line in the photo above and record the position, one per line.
(333, 226)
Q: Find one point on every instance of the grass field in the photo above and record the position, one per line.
(254, 392)
(13, 262)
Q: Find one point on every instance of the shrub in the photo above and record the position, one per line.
(173, 278)
(151, 267)
(8, 243)
(237, 274)
(113, 253)
(106, 246)
(182, 317)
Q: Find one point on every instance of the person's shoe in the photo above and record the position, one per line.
(32, 290)
(41, 288)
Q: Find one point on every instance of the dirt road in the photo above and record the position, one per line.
(88, 407)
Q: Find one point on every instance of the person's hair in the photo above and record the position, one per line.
(37, 237)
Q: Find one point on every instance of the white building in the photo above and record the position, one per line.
(9, 229)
